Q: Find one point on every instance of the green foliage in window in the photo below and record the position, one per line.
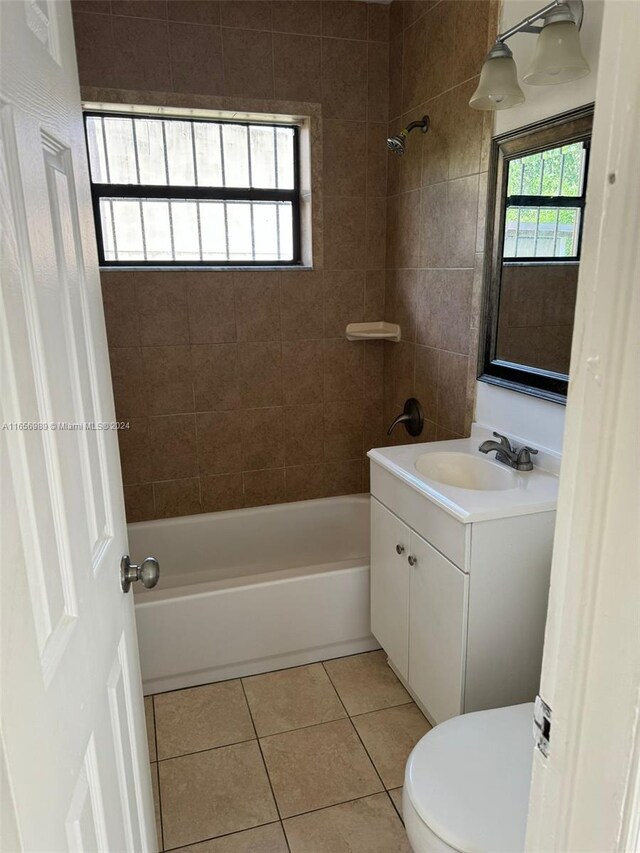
(557, 171)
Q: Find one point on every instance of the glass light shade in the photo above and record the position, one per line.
(498, 88)
(558, 57)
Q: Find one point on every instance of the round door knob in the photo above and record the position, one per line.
(148, 572)
(411, 560)
(399, 549)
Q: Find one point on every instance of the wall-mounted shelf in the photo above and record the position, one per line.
(379, 331)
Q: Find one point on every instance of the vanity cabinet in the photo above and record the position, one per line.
(390, 584)
(459, 608)
(437, 628)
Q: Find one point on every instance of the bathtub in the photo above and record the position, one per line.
(253, 590)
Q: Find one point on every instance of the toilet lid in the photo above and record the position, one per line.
(469, 778)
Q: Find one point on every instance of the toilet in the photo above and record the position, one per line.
(466, 786)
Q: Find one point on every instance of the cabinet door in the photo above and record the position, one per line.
(390, 585)
(437, 632)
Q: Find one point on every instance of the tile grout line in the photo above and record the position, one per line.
(281, 822)
(224, 835)
(411, 702)
(264, 764)
(273, 734)
(334, 805)
(157, 762)
(397, 810)
(274, 31)
(384, 787)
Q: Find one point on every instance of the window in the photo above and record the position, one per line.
(545, 204)
(191, 192)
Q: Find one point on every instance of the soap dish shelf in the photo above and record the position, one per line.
(379, 331)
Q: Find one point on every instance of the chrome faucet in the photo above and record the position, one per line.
(515, 457)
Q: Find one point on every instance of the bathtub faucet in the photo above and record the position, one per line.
(412, 418)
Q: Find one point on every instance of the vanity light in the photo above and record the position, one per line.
(498, 88)
(558, 57)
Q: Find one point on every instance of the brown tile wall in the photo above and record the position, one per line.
(240, 387)
(435, 210)
(535, 321)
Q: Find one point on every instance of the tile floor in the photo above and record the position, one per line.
(304, 760)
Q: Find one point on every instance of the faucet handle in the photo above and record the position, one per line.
(525, 452)
(412, 417)
(523, 459)
(504, 441)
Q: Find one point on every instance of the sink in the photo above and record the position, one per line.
(468, 485)
(464, 471)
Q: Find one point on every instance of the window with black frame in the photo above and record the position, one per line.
(545, 204)
(193, 192)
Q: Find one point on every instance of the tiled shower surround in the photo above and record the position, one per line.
(436, 210)
(240, 387)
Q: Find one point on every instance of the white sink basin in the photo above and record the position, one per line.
(466, 483)
(464, 471)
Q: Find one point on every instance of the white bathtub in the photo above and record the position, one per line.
(253, 590)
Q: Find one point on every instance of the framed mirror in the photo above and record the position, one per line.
(535, 214)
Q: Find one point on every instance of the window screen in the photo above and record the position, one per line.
(545, 204)
(188, 192)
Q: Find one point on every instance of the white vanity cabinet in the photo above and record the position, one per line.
(459, 608)
(437, 628)
(390, 585)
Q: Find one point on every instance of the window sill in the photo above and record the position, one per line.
(200, 268)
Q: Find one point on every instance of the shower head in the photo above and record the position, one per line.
(397, 143)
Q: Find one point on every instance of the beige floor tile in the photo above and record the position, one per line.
(156, 803)
(396, 796)
(213, 793)
(389, 737)
(292, 698)
(263, 839)
(370, 825)
(149, 722)
(201, 718)
(317, 767)
(366, 682)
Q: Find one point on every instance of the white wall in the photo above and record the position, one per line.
(544, 101)
(537, 420)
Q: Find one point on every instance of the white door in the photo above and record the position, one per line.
(390, 540)
(437, 631)
(585, 793)
(75, 763)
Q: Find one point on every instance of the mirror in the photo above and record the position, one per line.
(536, 204)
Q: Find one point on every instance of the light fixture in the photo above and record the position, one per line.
(498, 88)
(558, 57)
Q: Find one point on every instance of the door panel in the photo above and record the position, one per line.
(437, 634)
(78, 780)
(390, 585)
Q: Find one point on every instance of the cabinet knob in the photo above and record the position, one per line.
(399, 549)
(411, 560)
